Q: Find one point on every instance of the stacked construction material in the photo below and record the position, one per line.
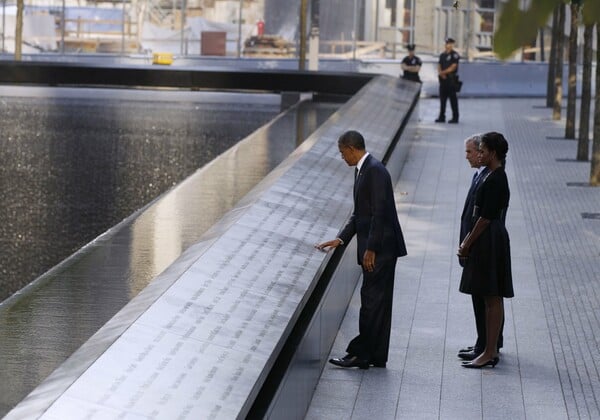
(268, 46)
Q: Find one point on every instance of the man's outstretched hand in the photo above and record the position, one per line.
(326, 246)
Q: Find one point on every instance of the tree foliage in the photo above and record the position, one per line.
(517, 27)
(591, 11)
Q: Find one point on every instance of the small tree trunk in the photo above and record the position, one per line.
(559, 63)
(19, 30)
(552, 60)
(583, 143)
(595, 168)
(303, 19)
(572, 92)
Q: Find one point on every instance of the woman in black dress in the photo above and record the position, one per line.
(486, 249)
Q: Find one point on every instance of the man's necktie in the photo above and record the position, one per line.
(480, 176)
(474, 180)
(355, 178)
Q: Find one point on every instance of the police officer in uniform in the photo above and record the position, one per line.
(411, 64)
(447, 75)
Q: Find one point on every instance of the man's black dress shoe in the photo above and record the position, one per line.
(440, 120)
(470, 355)
(470, 349)
(377, 364)
(453, 121)
(350, 362)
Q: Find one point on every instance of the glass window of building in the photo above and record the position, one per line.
(487, 4)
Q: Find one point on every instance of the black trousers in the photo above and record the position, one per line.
(447, 91)
(479, 310)
(375, 317)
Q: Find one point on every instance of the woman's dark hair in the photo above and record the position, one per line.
(497, 143)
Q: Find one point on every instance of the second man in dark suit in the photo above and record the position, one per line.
(374, 221)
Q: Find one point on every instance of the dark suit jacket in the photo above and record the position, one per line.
(375, 220)
(466, 219)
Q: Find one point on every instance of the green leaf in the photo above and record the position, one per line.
(518, 27)
(591, 11)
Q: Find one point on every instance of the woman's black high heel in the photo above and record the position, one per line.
(492, 362)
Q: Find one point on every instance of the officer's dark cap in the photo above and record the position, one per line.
(410, 47)
(450, 40)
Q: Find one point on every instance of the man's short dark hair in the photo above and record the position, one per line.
(352, 139)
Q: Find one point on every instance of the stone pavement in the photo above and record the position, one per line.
(550, 363)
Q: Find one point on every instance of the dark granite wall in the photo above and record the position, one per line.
(45, 324)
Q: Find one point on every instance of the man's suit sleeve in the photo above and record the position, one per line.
(348, 231)
(378, 188)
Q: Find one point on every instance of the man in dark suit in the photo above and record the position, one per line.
(466, 225)
(380, 242)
